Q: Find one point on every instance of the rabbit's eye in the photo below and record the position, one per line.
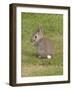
(35, 36)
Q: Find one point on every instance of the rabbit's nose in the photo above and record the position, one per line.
(31, 40)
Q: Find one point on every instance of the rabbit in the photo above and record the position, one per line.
(45, 48)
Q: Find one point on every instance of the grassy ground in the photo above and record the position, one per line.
(53, 29)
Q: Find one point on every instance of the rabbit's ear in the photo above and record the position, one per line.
(40, 28)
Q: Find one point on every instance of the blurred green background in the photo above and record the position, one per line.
(53, 29)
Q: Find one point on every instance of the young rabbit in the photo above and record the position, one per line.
(44, 46)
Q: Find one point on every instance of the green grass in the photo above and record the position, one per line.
(53, 29)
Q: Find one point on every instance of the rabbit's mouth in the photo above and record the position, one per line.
(32, 41)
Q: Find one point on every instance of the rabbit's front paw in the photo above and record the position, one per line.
(39, 56)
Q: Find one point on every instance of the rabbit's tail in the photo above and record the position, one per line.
(49, 56)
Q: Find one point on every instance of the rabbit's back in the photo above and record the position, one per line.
(45, 47)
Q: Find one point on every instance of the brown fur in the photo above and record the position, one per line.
(44, 45)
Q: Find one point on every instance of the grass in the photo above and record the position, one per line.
(53, 29)
(41, 70)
